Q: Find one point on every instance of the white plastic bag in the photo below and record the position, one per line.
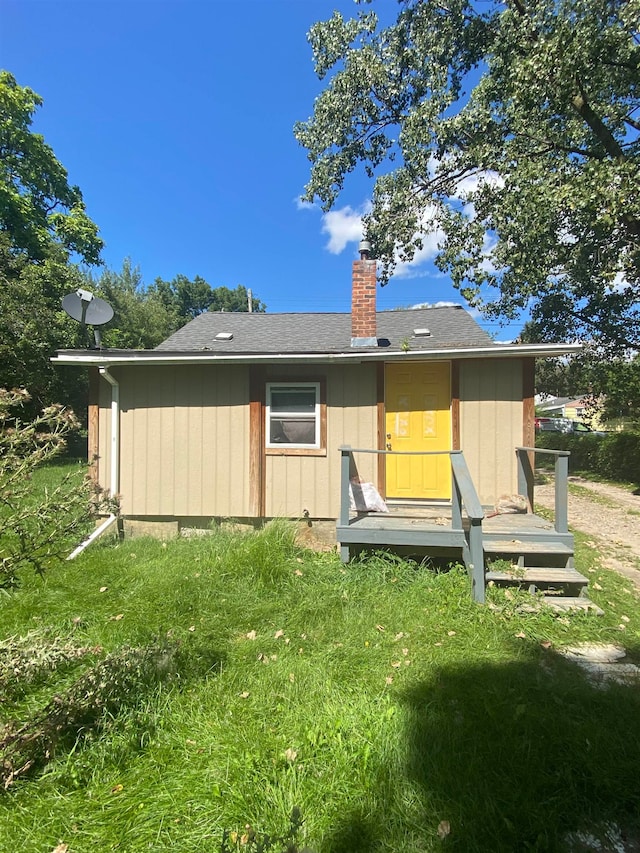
(364, 497)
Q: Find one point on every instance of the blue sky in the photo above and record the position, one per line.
(175, 118)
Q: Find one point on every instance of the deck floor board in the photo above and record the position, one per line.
(499, 526)
(429, 525)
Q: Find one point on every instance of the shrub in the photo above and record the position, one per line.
(619, 456)
(615, 456)
(33, 527)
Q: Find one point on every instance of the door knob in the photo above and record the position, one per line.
(388, 445)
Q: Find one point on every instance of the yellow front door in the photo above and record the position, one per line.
(418, 417)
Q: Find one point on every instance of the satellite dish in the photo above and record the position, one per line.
(86, 308)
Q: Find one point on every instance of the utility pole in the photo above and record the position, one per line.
(250, 301)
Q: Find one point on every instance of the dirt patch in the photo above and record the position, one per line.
(611, 514)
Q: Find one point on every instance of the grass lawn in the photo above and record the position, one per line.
(395, 713)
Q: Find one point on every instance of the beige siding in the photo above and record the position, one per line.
(491, 423)
(184, 440)
(299, 484)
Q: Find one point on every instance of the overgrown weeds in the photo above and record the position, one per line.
(250, 841)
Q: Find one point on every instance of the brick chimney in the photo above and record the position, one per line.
(363, 300)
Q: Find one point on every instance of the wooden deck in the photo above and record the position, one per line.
(540, 551)
(426, 526)
(438, 517)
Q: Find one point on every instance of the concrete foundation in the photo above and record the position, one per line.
(314, 534)
(135, 528)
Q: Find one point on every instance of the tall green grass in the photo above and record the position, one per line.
(376, 697)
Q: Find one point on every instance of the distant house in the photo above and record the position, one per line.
(242, 415)
(552, 407)
(575, 408)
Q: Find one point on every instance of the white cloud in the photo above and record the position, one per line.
(343, 226)
(469, 210)
(470, 184)
(301, 204)
(475, 312)
(408, 269)
(490, 244)
(441, 304)
(619, 284)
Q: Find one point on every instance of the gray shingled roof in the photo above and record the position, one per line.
(451, 327)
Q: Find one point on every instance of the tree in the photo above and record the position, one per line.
(33, 325)
(188, 298)
(141, 319)
(38, 206)
(611, 385)
(35, 527)
(144, 316)
(42, 221)
(513, 130)
(618, 382)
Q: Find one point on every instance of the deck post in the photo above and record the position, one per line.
(345, 467)
(456, 504)
(463, 488)
(562, 494)
(345, 470)
(476, 559)
(525, 475)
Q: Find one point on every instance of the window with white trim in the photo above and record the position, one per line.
(293, 415)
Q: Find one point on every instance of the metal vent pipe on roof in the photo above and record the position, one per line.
(365, 249)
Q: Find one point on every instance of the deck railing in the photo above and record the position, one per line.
(526, 479)
(464, 496)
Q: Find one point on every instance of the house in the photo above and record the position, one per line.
(242, 416)
(582, 408)
(552, 407)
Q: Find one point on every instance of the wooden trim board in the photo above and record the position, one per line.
(257, 467)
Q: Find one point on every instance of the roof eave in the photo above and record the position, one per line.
(104, 358)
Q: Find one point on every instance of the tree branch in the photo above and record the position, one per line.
(520, 7)
(553, 145)
(602, 133)
(441, 183)
(628, 66)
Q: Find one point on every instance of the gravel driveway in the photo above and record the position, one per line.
(610, 514)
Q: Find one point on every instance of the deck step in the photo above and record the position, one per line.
(565, 604)
(516, 546)
(539, 576)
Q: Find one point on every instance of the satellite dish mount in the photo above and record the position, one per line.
(88, 310)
